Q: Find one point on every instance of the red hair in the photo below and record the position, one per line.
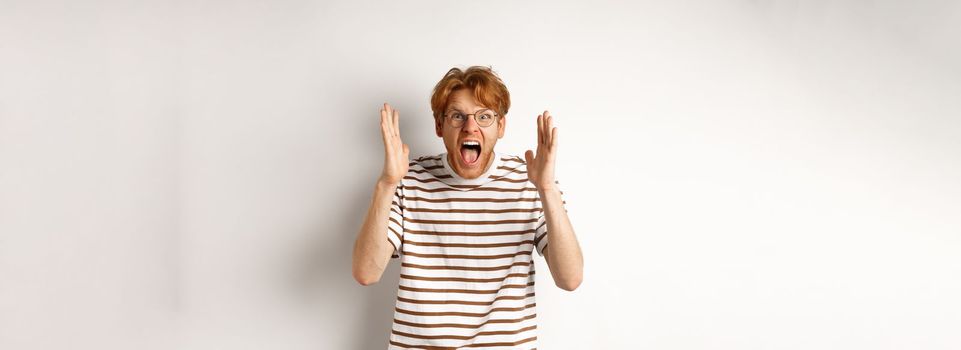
(487, 87)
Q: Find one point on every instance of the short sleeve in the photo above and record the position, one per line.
(395, 222)
(541, 237)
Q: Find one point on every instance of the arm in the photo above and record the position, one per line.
(563, 253)
(372, 250)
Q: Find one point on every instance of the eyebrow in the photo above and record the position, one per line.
(462, 111)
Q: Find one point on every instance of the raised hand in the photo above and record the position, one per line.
(540, 167)
(396, 153)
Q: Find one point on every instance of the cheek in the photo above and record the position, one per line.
(450, 140)
(490, 139)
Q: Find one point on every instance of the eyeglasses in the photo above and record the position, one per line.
(483, 117)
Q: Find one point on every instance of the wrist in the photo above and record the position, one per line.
(544, 189)
(386, 184)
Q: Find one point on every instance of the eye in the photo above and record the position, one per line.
(457, 116)
(486, 116)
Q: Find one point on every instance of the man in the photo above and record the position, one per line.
(465, 223)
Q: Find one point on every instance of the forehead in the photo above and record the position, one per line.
(463, 99)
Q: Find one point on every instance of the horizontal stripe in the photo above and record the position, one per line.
(456, 256)
(475, 345)
(432, 179)
(464, 279)
(396, 222)
(415, 163)
(463, 337)
(466, 314)
(465, 302)
(469, 245)
(425, 158)
(435, 179)
(484, 200)
(537, 240)
(504, 178)
(466, 233)
(466, 291)
(470, 222)
(477, 189)
(516, 343)
(462, 325)
(475, 211)
(399, 239)
(437, 158)
(512, 170)
(466, 268)
(418, 171)
(392, 244)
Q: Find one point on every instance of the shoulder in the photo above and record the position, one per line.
(512, 162)
(425, 168)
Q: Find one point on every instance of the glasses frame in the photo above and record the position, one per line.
(447, 116)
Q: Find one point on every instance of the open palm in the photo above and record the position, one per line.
(396, 153)
(540, 166)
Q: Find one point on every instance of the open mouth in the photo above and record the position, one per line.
(470, 152)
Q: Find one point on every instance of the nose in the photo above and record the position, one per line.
(470, 125)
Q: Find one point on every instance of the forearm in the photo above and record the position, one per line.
(563, 251)
(372, 251)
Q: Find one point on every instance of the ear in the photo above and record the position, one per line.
(439, 127)
(501, 126)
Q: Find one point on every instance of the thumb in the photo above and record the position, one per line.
(529, 155)
(406, 150)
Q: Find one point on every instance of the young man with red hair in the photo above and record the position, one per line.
(465, 224)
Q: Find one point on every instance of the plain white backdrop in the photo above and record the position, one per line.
(740, 174)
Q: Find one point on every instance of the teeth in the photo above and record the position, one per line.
(471, 143)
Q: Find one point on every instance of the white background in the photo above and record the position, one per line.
(740, 174)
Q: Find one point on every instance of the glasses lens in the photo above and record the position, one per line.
(485, 117)
(456, 119)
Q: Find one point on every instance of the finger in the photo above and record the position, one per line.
(529, 155)
(540, 129)
(544, 127)
(390, 114)
(553, 138)
(384, 130)
(383, 120)
(386, 119)
(548, 124)
(397, 123)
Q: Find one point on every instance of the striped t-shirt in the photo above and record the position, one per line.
(467, 269)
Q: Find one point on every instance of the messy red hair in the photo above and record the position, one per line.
(487, 87)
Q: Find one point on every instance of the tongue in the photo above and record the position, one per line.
(469, 155)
